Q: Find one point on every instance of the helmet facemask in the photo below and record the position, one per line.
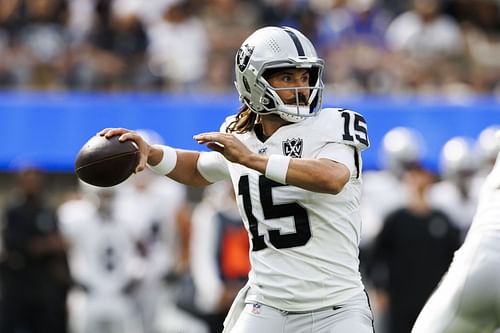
(299, 108)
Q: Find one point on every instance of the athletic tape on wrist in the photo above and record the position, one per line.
(277, 168)
(167, 163)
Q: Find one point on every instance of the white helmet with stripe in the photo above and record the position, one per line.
(273, 48)
(458, 158)
(402, 148)
(488, 144)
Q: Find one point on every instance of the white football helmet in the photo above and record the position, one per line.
(275, 48)
(488, 144)
(458, 158)
(401, 148)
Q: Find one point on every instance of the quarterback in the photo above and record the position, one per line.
(296, 172)
(468, 298)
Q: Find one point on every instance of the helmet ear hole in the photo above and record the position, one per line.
(271, 101)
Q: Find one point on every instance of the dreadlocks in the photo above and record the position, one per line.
(244, 122)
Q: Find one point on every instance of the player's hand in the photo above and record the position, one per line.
(126, 134)
(226, 144)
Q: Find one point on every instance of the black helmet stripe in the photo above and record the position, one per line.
(296, 41)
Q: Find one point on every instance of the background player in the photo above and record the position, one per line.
(467, 298)
(157, 212)
(296, 173)
(219, 253)
(103, 263)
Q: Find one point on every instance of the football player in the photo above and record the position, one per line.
(467, 298)
(456, 193)
(296, 173)
(156, 210)
(103, 263)
(383, 190)
(219, 253)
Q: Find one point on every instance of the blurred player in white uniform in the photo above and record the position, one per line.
(383, 190)
(297, 176)
(103, 263)
(455, 193)
(157, 212)
(467, 299)
(219, 253)
(383, 193)
(487, 148)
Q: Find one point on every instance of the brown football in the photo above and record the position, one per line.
(106, 162)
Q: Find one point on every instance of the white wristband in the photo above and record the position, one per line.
(277, 168)
(167, 163)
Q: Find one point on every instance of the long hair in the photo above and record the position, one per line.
(244, 122)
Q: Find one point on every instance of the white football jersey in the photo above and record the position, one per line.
(446, 196)
(304, 245)
(383, 193)
(102, 253)
(488, 209)
(150, 212)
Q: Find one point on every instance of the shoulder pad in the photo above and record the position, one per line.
(226, 123)
(347, 127)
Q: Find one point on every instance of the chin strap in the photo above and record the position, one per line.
(288, 117)
(291, 112)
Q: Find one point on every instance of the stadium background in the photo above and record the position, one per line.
(72, 67)
(69, 68)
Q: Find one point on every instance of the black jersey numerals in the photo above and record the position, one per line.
(302, 232)
(244, 190)
(358, 132)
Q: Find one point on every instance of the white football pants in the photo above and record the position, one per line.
(354, 316)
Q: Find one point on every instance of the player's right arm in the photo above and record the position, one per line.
(186, 170)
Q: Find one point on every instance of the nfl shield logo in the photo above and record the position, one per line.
(293, 147)
(243, 57)
(256, 308)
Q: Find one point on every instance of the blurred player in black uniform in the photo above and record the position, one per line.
(34, 275)
(411, 253)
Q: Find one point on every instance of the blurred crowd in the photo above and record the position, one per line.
(146, 257)
(446, 47)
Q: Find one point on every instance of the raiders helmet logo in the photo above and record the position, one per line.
(243, 57)
(293, 147)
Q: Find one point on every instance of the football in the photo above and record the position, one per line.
(106, 162)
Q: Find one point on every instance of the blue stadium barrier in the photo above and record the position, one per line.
(48, 128)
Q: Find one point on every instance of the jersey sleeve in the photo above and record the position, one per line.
(213, 166)
(346, 127)
(340, 153)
